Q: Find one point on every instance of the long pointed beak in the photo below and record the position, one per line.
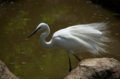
(32, 33)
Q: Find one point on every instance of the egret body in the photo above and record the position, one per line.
(77, 38)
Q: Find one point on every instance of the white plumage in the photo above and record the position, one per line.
(77, 38)
(82, 38)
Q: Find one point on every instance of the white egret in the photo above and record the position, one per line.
(77, 38)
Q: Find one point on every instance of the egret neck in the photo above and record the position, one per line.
(44, 35)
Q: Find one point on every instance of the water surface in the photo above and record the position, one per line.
(27, 58)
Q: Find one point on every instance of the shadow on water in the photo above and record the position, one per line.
(27, 58)
(112, 5)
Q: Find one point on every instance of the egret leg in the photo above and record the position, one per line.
(76, 56)
(70, 68)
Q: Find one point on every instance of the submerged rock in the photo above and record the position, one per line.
(96, 68)
(5, 73)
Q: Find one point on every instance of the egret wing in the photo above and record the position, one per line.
(93, 34)
(65, 40)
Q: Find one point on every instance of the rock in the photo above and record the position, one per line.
(5, 73)
(96, 68)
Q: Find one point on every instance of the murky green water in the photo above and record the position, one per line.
(27, 58)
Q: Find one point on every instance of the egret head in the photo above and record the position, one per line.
(40, 27)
